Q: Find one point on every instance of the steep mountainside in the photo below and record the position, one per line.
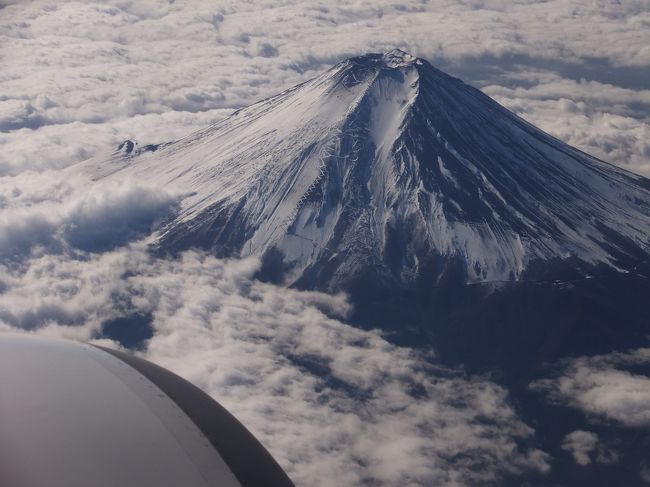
(384, 162)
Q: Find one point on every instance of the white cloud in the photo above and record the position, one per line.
(321, 395)
(326, 397)
(585, 447)
(580, 444)
(114, 216)
(601, 387)
(57, 295)
(48, 211)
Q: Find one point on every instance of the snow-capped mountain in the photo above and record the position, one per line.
(385, 161)
(450, 222)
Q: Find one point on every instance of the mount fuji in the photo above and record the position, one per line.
(447, 218)
(449, 221)
(384, 161)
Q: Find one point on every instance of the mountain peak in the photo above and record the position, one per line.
(398, 59)
(395, 59)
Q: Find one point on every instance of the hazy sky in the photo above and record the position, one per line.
(77, 78)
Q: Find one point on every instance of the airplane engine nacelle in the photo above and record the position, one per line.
(78, 415)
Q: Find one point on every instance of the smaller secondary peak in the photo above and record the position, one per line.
(398, 58)
(127, 148)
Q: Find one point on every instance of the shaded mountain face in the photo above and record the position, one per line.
(436, 209)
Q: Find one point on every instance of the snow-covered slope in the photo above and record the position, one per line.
(385, 161)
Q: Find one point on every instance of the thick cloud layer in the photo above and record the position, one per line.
(80, 76)
(324, 396)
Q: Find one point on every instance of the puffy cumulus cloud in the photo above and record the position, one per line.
(112, 217)
(322, 396)
(580, 444)
(78, 76)
(602, 388)
(585, 447)
(49, 212)
(62, 296)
